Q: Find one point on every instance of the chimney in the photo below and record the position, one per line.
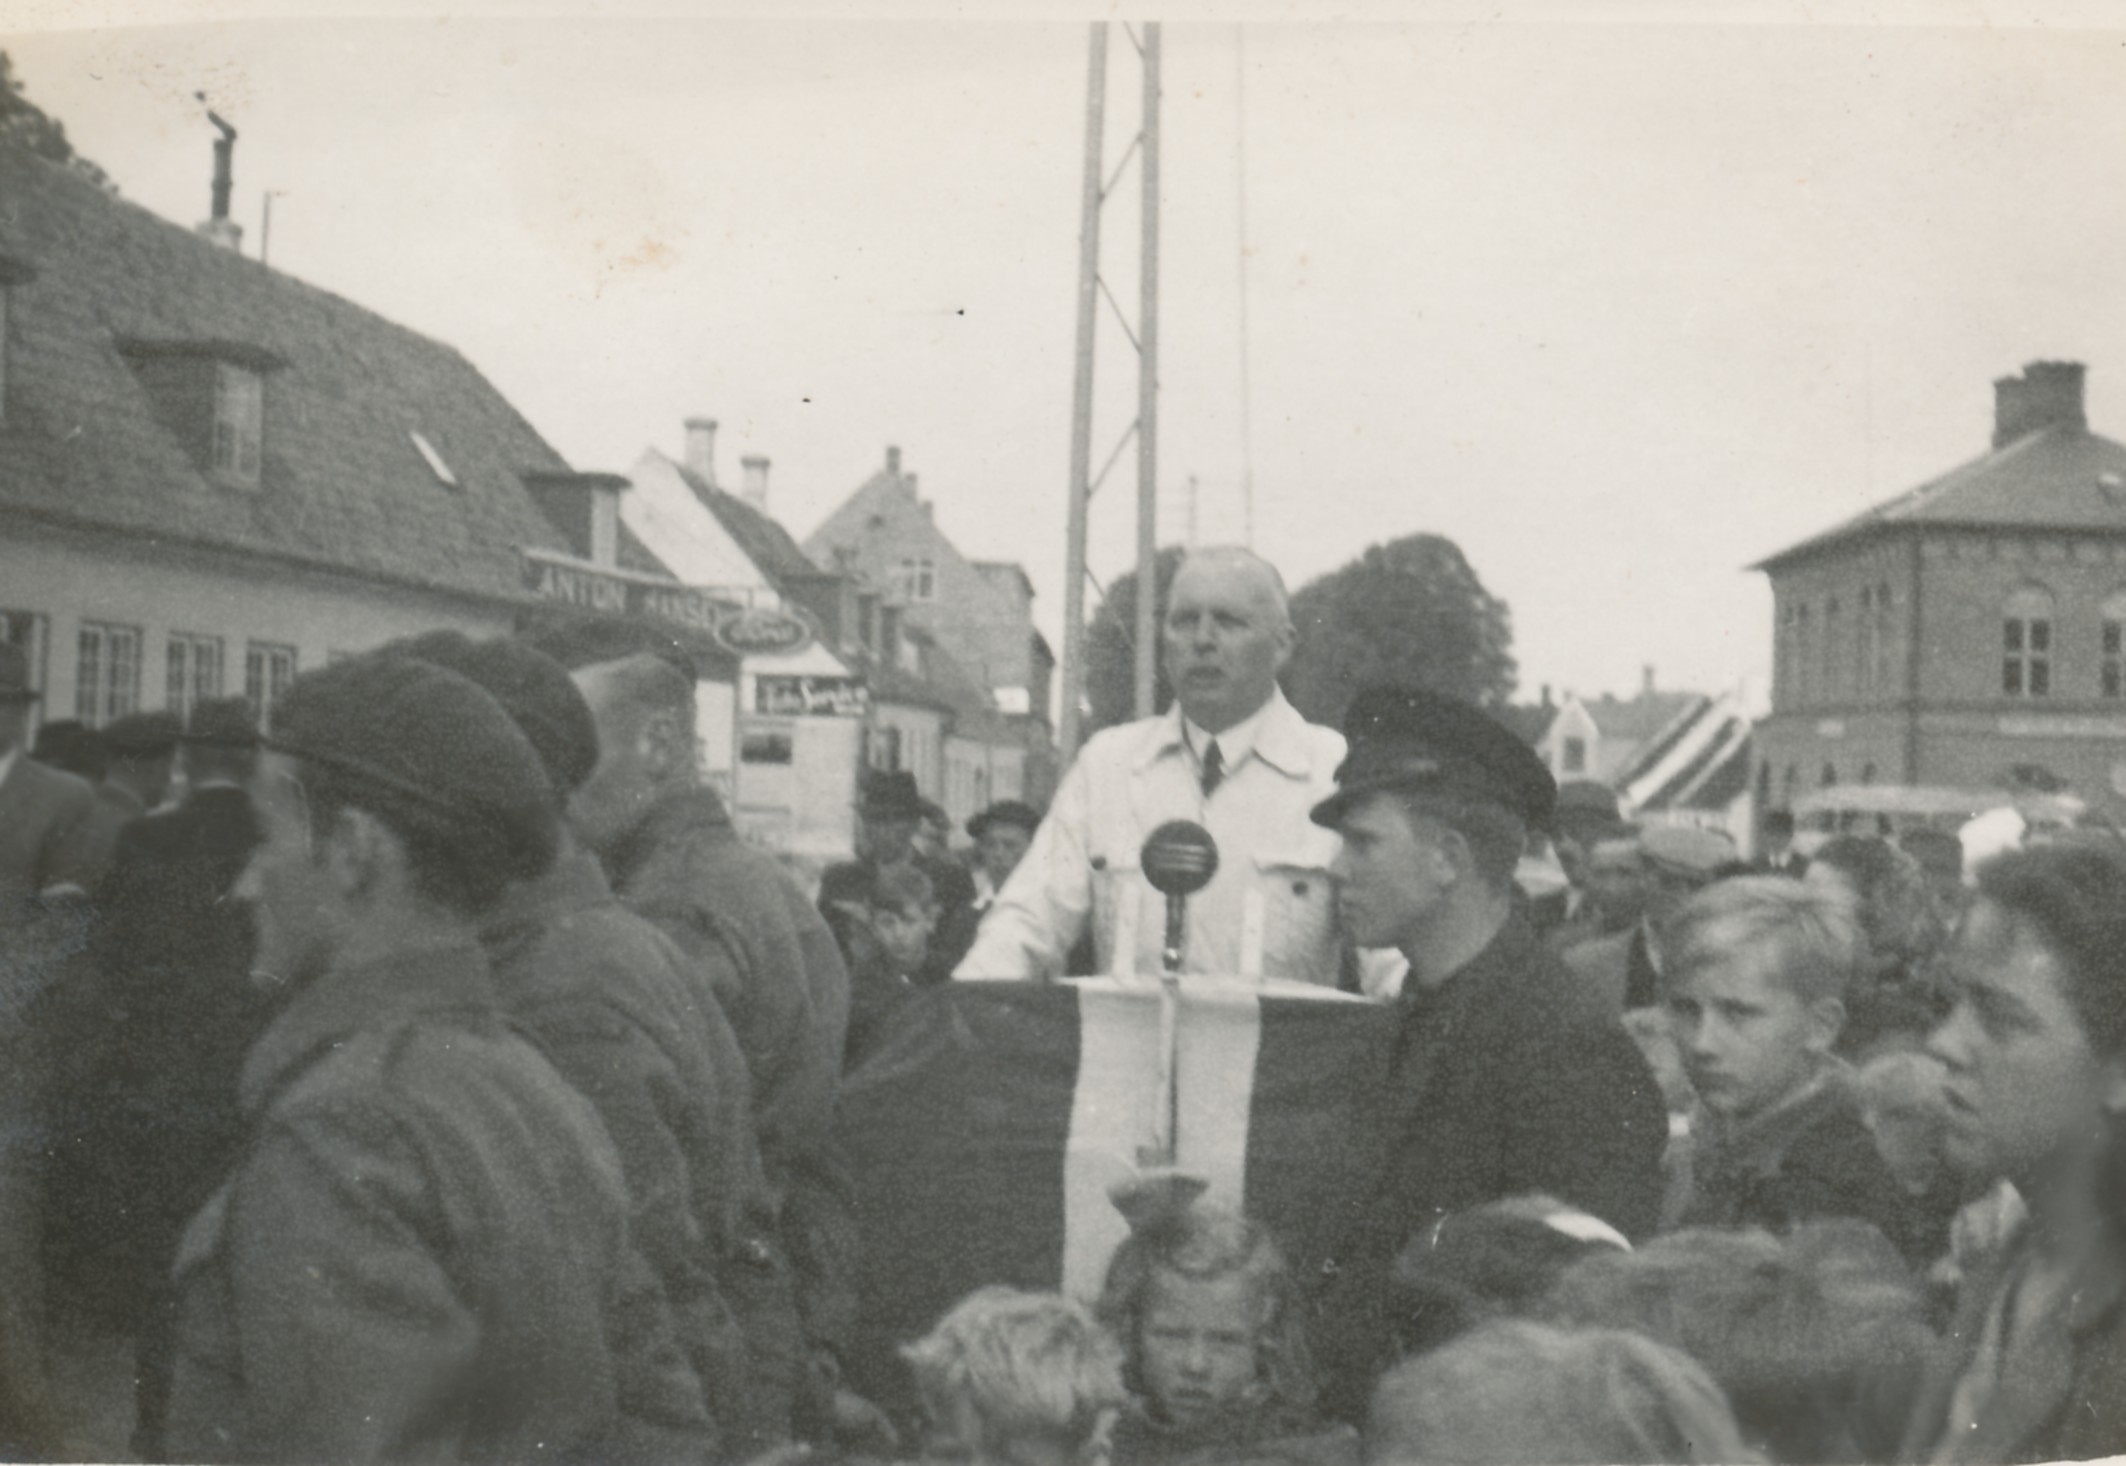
(755, 490)
(701, 449)
(1646, 680)
(2048, 394)
(893, 461)
(1546, 697)
(219, 227)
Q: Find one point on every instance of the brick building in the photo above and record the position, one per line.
(1970, 633)
(979, 612)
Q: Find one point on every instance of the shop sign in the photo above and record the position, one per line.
(757, 631)
(810, 697)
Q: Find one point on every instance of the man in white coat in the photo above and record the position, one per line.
(1232, 755)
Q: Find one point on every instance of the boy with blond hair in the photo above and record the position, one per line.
(1755, 986)
(1018, 1379)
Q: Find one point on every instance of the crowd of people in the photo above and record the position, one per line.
(440, 1075)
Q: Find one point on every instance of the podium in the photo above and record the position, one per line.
(992, 1118)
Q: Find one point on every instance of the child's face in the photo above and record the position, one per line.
(1747, 1040)
(904, 935)
(1197, 1347)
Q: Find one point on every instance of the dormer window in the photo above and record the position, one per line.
(239, 421)
(211, 396)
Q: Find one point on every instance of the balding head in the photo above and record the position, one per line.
(1227, 634)
(644, 709)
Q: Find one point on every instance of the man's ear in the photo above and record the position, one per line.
(1826, 1022)
(667, 749)
(357, 851)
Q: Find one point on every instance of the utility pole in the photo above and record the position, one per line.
(1083, 482)
(1148, 392)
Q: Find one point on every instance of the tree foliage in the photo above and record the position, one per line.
(1409, 611)
(25, 125)
(1110, 648)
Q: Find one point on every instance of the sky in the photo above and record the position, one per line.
(1619, 299)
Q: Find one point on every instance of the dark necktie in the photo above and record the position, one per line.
(1213, 769)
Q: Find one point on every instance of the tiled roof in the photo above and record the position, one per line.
(1649, 715)
(341, 484)
(762, 538)
(1528, 721)
(2058, 478)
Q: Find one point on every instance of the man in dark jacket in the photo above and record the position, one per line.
(1508, 1078)
(423, 1253)
(158, 1028)
(608, 999)
(752, 940)
(142, 753)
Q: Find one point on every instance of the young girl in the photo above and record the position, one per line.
(1213, 1333)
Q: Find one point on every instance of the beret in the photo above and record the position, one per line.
(428, 745)
(1006, 812)
(1417, 740)
(534, 689)
(1687, 851)
(143, 735)
(223, 722)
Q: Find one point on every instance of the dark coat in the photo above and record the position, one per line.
(43, 836)
(607, 998)
(423, 1254)
(115, 811)
(1812, 1157)
(148, 1115)
(2061, 1395)
(1618, 968)
(1508, 1078)
(758, 945)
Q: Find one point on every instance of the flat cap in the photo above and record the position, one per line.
(1684, 851)
(534, 689)
(72, 745)
(1419, 741)
(143, 735)
(430, 746)
(223, 722)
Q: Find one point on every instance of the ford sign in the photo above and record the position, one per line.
(757, 631)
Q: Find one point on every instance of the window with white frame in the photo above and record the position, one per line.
(268, 669)
(106, 672)
(239, 421)
(192, 672)
(27, 630)
(2026, 643)
(1885, 636)
(2112, 674)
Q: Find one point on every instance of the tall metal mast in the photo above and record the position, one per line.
(1145, 338)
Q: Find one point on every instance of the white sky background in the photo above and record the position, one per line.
(1618, 307)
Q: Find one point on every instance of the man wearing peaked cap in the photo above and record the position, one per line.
(1625, 967)
(423, 1249)
(1505, 1079)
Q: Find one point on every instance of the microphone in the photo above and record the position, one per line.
(1179, 859)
